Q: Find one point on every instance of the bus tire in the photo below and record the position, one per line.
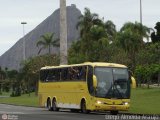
(83, 107)
(54, 105)
(49, 104)
(114, 112)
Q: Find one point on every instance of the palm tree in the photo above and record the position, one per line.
(130, 38)
(133, 34)
(87, 22)
(155, 37)
(47, 41)
(110, 30)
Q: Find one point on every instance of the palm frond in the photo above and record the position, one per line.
(56, 43)
(40, 43)
(41, 50)
(46, 41)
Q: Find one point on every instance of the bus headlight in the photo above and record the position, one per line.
(99, 102)
(125, 103)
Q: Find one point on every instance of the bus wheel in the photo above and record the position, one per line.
(54, 106)
(83, 107)
(49, 105)
(114, 112)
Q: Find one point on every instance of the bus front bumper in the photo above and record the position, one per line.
(101, 106)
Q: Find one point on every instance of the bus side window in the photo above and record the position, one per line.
(45, 75)
(42, 75)
(64, 72)
(73, 73)
(82, 73)
(51, 75)
(54, 75)
(70, 73)
(90, 80)
(57, 74)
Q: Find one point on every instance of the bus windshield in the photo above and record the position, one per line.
(112, 82)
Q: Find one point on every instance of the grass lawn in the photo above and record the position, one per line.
(145, 101)
(25, 99)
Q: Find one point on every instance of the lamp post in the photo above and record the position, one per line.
(24, 49)
(141, 11)
(141, 20)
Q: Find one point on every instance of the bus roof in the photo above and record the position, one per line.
(87, 63)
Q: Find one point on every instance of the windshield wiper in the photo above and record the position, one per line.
(115, 85)
(112, 90)
(117, 89)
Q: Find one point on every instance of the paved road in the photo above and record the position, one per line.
(32, 113)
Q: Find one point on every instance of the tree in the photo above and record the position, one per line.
(2, 78)
(95, 39)
(110, 30)
(32, 66)
(150, 55)
(47, 41)
(145, 73)
(16, 85)
(74, 53)
(156, 36)
(130, 39)
(86, 22)
(118, 55)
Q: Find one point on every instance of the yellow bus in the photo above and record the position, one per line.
(85, 87)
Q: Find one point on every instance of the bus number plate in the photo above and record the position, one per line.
(113, 107)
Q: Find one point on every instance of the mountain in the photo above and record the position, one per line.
(14, 56)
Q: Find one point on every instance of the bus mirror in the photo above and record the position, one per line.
(133, 82)
(94, 81)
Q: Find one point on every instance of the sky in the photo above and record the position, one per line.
(13, 12)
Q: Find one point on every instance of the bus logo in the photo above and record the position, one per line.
(4, 117)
